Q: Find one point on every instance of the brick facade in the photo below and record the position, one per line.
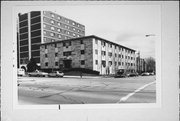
(79, 50)
(90, 52)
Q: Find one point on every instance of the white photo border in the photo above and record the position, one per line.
(11, 109)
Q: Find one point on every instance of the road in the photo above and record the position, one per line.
(86, 90)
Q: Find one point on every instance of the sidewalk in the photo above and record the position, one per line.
(89, 77)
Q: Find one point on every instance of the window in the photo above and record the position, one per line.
(56, 63)
(44, 32)
(104, 63)
(110, 63)
(52, 40)
(96, 61)
(103, 43)
(44, 18)
(119, 63)
(64, 44)
(65, 31)
(56, 54)
(96, 41)
(122, 56)
(45, 46)
(82, 62)
(46, 64)
(115, 55)
(119, 56)
(52, 28)
(74, 29)
(110, 45)
(69, 43)
(68, 32)
(74, 34)
(68, 53)
(44, 25)
(122, 63)
(59, 36)
(45, 39)
(115, 63)
(45, 55)
(59, 24)
(59, 17)
(110, 54)
(55, 45)
(52, 15)
(82, 51)
(103, 53)
(73, 23)
(52, 34)
(81, 41)
(96, 51)
(59, 30)
(52, 21)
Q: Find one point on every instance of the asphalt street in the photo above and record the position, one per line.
(86, 90)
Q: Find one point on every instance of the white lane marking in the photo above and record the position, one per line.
(123, 99)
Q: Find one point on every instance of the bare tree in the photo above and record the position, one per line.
(150, 64)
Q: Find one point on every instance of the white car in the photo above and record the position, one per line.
(20, 72)
(145, 74)
(38, 73)
(56, 74)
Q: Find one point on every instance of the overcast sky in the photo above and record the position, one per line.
(124, 24)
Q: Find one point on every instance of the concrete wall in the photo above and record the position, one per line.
(117, 59)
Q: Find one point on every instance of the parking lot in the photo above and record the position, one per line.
(86, 90)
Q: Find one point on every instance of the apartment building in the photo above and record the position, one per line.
(90, 52)
(37, 27)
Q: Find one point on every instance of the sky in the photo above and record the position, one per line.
(126, 25)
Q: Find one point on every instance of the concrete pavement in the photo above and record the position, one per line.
(86, 90)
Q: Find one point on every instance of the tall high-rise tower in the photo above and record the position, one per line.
(37, 27)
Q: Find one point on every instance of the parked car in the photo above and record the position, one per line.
(152, 73)
(20, 72)
(56, 74)
(120, 74)
(145, 74)
(132, 74)
(38, 73)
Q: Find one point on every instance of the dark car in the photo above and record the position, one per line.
(132, 74)
(120, 74)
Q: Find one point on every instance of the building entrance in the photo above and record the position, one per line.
(67, 63)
